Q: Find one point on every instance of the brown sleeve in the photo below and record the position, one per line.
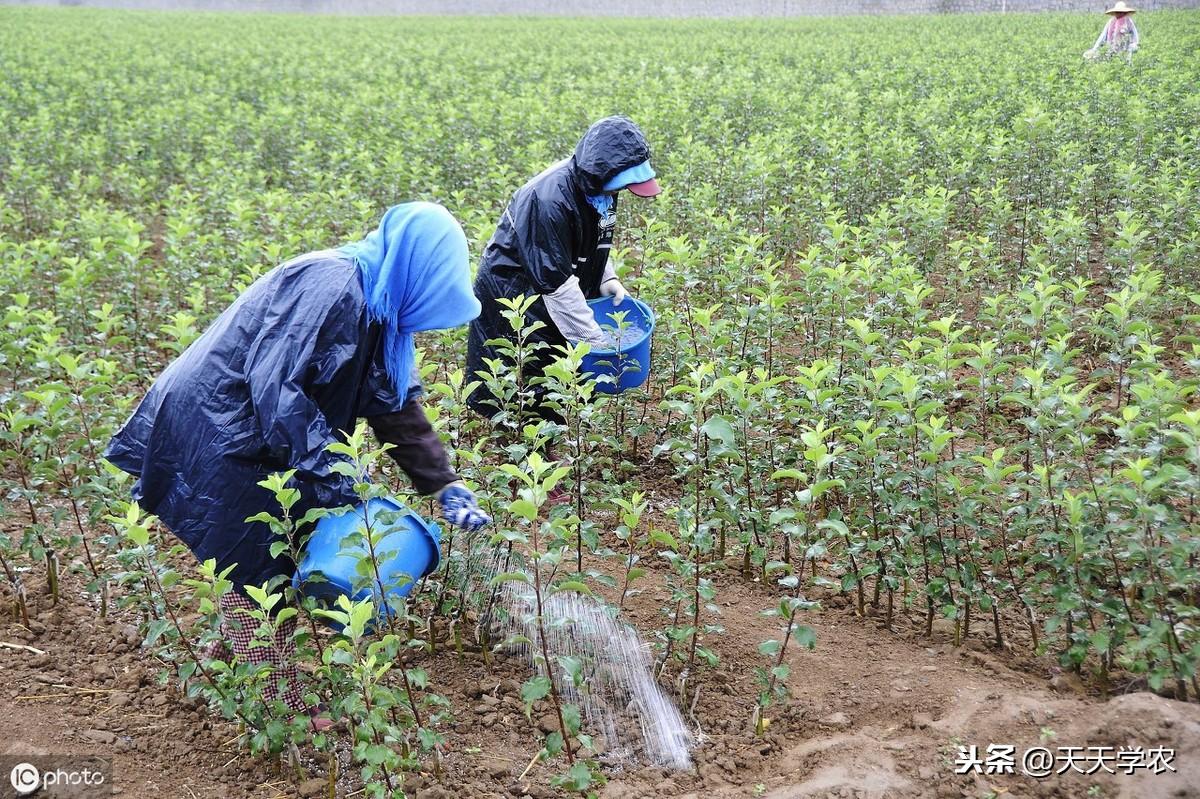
(416, 448)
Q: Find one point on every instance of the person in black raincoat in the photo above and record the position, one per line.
(310, 347)
(553, 241)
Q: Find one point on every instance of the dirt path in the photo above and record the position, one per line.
(879, 715)
(95, 692)
(874, 715)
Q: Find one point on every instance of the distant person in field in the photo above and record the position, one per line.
(553, 241)
(1119, 36)
(310, 347)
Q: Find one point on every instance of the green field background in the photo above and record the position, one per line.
(1011, 233)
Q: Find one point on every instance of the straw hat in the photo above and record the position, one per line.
(1120, 8)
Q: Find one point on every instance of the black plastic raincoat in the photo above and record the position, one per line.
(549, 233)
(293, 361)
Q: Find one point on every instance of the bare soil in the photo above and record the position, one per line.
(873, 715)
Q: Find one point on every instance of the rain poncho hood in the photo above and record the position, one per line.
(609, 147)
(293, 363)
(415, 276)
(549, 233)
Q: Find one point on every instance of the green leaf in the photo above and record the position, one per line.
(571, 718)
(340, 618)
(836, 525)
(572, 585)
(554, 743)
(572, 667)
(418, 677)
(524, 509)
(430, 739)
(376, 754)
(138, 535)
(533, 689)
(577, 779)
(510, 577)
(257, 593)
(155, 630)
(663, 538)
(804, 636)
(718, 428)
(553, 479)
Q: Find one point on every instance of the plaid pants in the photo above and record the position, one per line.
(238, 628)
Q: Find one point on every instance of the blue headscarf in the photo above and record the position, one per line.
(603, 203)
(415, 276)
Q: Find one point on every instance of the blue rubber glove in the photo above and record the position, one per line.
(460, 508)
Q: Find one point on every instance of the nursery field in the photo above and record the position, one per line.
(915, 473)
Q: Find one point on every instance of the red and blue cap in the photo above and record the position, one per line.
(638, 179)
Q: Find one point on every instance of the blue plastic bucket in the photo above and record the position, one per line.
(407, 552)
(628, 365)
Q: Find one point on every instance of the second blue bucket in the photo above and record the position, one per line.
(408, 551)
(628, 365)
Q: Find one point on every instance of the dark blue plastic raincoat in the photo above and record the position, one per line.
(297, 358)
(549, 233)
